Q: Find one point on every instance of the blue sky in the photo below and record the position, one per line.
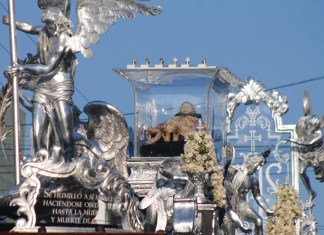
(278, 42)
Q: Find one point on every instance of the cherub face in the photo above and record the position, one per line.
(55, 21)
(254, 165)
(51, 27)
(252, 168)
(314, 123)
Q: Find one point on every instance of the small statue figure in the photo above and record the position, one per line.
(238, 183)
(310, 145)
(53, 92)
(170, 182)
(56, 62)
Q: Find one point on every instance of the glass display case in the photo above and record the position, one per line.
(170, 101)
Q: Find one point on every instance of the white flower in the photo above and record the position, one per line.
(209, 145)
(199, 150)
(197, 137)
(208, 138)
(199, 157)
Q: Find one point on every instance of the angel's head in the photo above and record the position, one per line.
(63, 5)
(253, 163)
(55, 21)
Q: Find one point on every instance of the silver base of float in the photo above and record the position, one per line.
(68, 230)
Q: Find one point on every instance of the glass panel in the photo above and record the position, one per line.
(157, 108)
(160, 92)
(160, 118)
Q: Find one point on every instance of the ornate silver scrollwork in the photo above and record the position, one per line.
(255, 126)
(26, 201)
(279, 156)
(29, 189)
(273, 185)
(255, 92)
(44, 165)
(308, 221)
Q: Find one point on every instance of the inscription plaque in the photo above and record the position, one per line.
(67, 208)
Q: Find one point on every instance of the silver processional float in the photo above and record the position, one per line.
(191, 166)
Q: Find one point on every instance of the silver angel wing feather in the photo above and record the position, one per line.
(306, 104)
(107, 126)
(94, 17)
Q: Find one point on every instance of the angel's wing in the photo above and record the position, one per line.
(306, 103)
(108, 127)
(94, 17)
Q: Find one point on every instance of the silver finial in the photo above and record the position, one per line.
(134, 61)
(161, 61)
(200, 126)
(187, 60)
(147, 61)
(204, 60)
(174, 61)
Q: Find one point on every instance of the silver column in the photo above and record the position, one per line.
(15, 87)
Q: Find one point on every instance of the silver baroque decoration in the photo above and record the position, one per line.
(93, 153)
(170, 183)
(308, 220)
(26, 201)
(42, 165)
(254, 92)
(108, 176)
(29, 189)
(199, 180)
(273, 185)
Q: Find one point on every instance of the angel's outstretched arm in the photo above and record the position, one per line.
(317, 136)
(23, 26)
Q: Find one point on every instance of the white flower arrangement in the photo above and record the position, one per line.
(200, 156)
(219, 191)
(286, 210)
(199, 153)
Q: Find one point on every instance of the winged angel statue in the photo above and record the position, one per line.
(92, 153)
(309, 141)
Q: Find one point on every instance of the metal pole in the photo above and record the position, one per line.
(15, 87)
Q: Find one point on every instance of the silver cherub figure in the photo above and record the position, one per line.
(238, 183)
(310, 145)
(170, 183)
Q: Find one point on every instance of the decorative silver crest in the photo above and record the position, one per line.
(255, 92)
